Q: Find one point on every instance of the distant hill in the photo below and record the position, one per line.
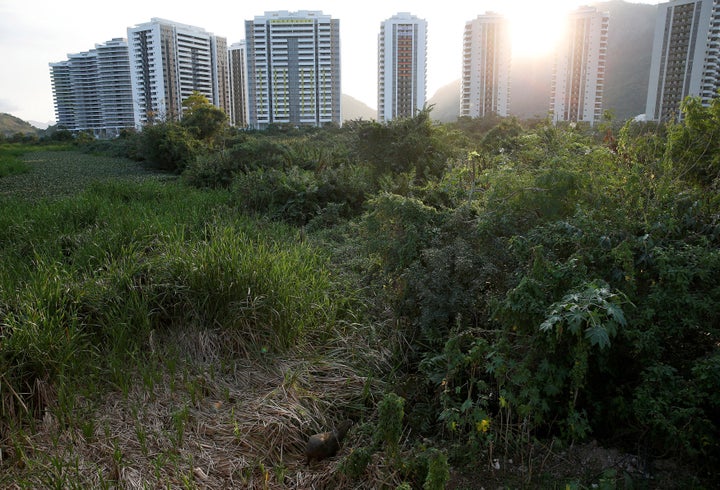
(446, 103)
(354, 109)
(10, 125)
(630, 40)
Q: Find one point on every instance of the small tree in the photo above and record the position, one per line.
(202, 119)
(694, 144)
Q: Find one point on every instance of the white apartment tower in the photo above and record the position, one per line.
(86, 96)
(402, 66)
(579, 72)
(114, 86)
(685, 58)
(486, 67)
(293, 69)
(169, 61)
(237, 64)
(63, 95)
(92, 90)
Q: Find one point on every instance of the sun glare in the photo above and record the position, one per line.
(535, 31)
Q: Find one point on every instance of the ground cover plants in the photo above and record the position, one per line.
(492, 302)
(11, 155)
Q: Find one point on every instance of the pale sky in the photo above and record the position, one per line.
(34, 33)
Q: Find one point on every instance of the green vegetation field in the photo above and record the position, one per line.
(491, 302)
(133, 308)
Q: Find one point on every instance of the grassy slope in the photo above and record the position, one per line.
(146, 328)
(10, 125)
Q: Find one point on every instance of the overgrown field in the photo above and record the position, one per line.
(151, 333)
(492, 302)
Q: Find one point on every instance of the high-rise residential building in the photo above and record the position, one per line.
(169, 62)
(84, 79)
(114, 86)
(221, 74)
(63, 96)
(237, 64)
(685, 58)
(92, 90)
(579, 72)
(402, 66)
(293, 68)
(486, 67)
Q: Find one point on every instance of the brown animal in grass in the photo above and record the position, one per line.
(326, 445)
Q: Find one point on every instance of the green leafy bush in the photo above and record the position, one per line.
(438, 471)
(168, 146)
(404, 145)
(559, 290)
(694, 145)
(396, 229)
(391, 411)
(215, 170)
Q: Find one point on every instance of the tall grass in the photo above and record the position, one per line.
(84, 280)
(11, 160)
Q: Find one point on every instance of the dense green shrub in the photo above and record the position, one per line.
(129, 144)
(438, 471)
(396, 228)
(404, 145)
(257, 152)
(391, 411)
(694, 145)
(168, 146)
(299, 196)
(290, 195)
(211, 170)
(202, 119)
(559, 289)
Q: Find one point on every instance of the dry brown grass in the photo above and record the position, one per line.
(210, 419)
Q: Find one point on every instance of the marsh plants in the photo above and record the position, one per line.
(111, 290)
(515, 303)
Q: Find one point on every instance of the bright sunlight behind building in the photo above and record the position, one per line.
(536, 29)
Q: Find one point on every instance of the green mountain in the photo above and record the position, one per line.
(10, 125)
(630, 40)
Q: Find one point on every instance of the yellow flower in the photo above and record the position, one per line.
(483, 425)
